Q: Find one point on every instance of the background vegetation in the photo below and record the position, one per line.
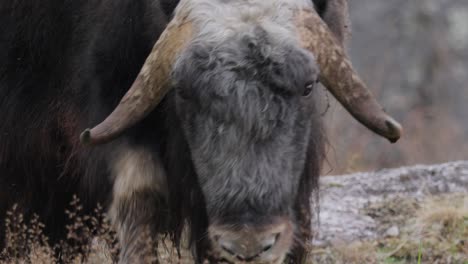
(414, 56)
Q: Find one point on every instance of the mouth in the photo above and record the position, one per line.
(255, 245)
(223, 260)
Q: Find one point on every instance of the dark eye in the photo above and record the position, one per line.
(309, 86)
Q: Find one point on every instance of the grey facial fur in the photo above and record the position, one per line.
(247, 124)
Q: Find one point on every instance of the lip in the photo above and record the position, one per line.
(224, 260)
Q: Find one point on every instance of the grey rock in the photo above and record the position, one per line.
(393, 231)
(343, 198)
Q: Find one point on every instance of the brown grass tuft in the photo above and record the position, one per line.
(87, 236)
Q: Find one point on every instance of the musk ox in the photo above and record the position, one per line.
(218, 131)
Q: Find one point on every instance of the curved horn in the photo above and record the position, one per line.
(338, 75)
(150, 86)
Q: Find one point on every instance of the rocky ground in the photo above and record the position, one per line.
(395, 216)
(352, 206)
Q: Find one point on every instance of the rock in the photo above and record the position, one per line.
(393, 231)
(353, 207)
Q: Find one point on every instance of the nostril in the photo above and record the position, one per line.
(270, 242)
(227, 245)
(228, 250)
(266, 248)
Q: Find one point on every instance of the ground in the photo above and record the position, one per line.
(408, 215)
(432, 230)
(395, 216)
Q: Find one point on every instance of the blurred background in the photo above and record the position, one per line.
(413, 54)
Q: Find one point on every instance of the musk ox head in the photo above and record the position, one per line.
(243, 71)
(244, 107)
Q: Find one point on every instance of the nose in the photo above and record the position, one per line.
(247, 249)
(252, 245)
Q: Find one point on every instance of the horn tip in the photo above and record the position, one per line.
(395, 130)
(85, 136)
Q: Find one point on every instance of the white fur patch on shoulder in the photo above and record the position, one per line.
(137, 169)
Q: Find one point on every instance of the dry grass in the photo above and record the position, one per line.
(436, 229)
(26, 242)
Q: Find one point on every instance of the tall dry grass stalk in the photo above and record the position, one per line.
(89, 237)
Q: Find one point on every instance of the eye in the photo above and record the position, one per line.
(309, 86)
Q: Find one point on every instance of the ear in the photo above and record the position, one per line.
(335, 13)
